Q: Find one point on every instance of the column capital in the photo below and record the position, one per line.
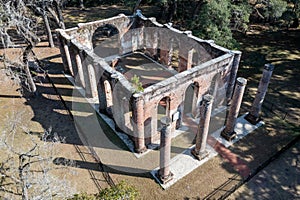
(241, 81)
(236, 52)
(138, 97)
(208, 99)
(269, 67)
(166, 121)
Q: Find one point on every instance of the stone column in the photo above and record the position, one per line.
(68, 57)
(170, 54)
(139, 123)
(79, 68)
(154, 125)
(101, 96)
(196, 101)
(164, 48)
(233, 73)
(190, 59)
(180, 109)
(108, 97)
(164, 173)
(153, 51)
(92, 80)
(253, 116)
(228, 132)
(62, 52)
(201, 138)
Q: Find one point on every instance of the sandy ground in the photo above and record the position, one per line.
(279, 180)
(36, 114)
(213, 179)
(47, 111)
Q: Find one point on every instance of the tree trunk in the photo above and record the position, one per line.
(172, 10)
(197, 8)
(138, 2)
(30, 81)
(164, 11)
(59, 14)
(22, 178)
(48, 29)
(81, 4)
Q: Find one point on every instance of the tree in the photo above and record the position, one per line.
(290, 18)
(168, 9)
(26, 171)
(269, 10)
(213, 22)
(14, 18)
(19, 19)
(48, 9)
(135, 80)
(240, 15)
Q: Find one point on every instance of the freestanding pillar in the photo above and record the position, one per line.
(80, 68)
(92, 80)
(228, 132)
(253, 116)
(139, 124)
(201, 137)
(68, 57)
(234, 69)
(164, 173)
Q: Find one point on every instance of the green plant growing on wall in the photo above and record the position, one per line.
(135, 80)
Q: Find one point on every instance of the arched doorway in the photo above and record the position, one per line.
(214, 90)
(105, 41)
(163, 109)
(195, 58)
(191, 100)
(173, 62)
(108, 97)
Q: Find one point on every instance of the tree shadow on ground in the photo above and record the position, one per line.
(279, 180)
(96, 167)
(253, 149)
(280, 112)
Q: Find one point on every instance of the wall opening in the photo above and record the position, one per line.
(195, 59)
(190, 101)
(108, 97)
(163, 109)
(105, 41)
(173, 62)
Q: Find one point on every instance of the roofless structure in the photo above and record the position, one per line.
(139, 71)
(145, 75)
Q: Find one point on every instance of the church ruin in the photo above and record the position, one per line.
(140, 71)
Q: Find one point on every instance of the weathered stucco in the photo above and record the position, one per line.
(209, 68)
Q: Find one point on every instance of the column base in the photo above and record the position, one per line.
(252, 119)
(228, 103)
(228, 136)
(67, 71)
(140, 151)
(102, 110)
(165, 179)
(200, 155)
(194, 140)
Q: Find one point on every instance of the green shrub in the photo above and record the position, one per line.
(84, 196)
(119, 192)
(135, 80)
(122, 191)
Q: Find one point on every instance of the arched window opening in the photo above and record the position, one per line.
(105, 41)
(163, 109)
